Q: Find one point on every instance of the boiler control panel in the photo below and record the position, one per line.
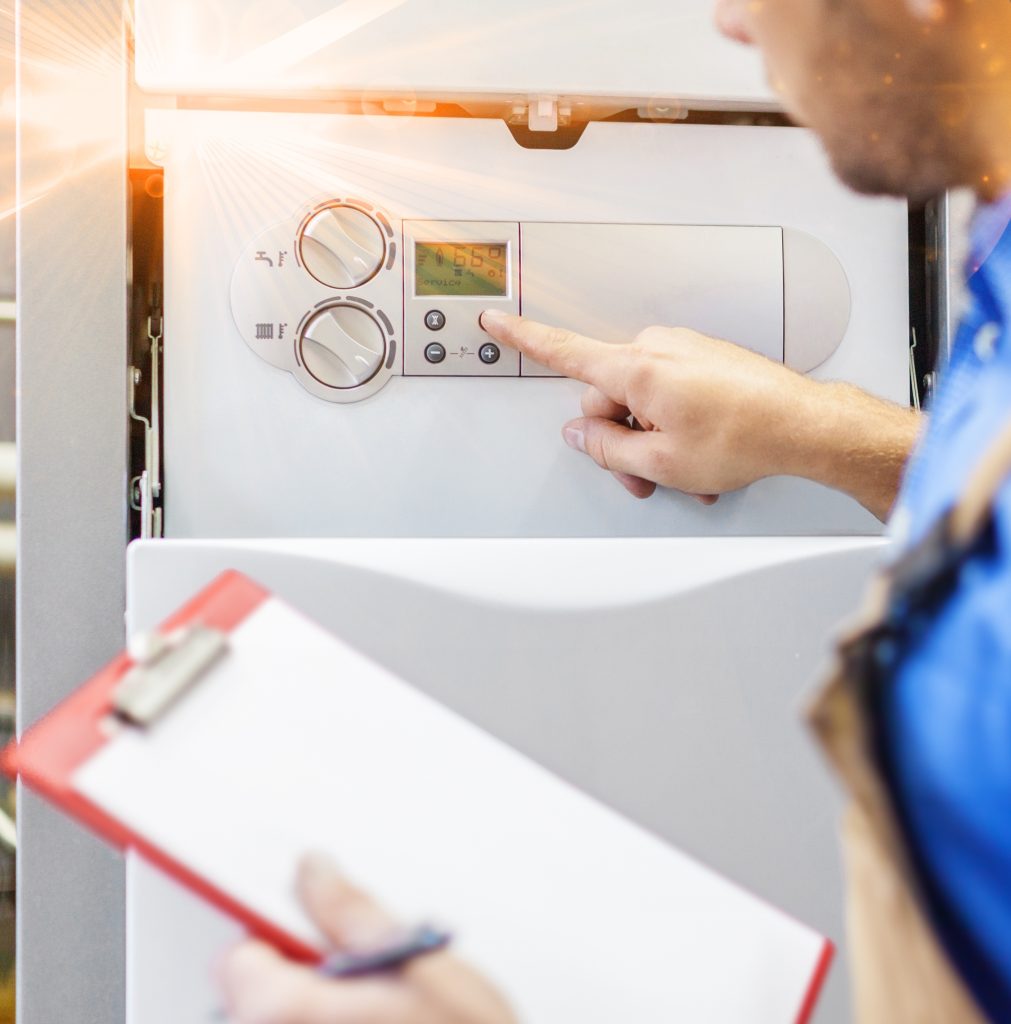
(346, 294)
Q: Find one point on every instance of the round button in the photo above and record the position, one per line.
(342, 347)
(435, 320)
(342, 247)
(489, 353)
(435, 353)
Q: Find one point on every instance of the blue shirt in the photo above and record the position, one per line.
(946, 718)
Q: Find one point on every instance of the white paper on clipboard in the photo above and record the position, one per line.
(296, 742)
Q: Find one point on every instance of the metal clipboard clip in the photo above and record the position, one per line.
(166, 666)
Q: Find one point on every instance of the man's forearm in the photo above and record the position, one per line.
(855, 443)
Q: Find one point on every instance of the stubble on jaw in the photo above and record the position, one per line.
(886, 97)
(905, 147)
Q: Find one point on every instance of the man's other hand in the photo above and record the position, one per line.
(262, 987)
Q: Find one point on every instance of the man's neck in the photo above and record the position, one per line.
(993, 172)
(993, 187)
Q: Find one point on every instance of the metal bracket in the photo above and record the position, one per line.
(146, 488)
(914, 383)
(166, 667)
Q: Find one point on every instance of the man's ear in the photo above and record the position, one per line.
(731, 21)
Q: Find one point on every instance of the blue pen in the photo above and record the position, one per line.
(400, 950)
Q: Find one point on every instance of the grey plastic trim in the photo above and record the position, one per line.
(72, 473)
(955, 214)
(817, 302)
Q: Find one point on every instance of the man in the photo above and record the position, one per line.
(910, 97)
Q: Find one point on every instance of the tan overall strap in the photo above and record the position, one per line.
(901, 975)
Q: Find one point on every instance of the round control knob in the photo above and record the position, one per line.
(342, 347)
(342, 247)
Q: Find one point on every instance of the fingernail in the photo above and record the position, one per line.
(492, 316)
(575, 438)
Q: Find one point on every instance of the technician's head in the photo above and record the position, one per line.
(909, 96)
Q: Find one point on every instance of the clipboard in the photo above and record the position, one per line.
(249, 735)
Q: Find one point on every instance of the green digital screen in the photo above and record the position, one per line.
(461, 268)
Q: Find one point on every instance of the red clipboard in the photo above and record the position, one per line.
(50, 755)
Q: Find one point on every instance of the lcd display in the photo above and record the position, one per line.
(461, 268)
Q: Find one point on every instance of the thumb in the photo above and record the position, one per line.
(615, 446)
(349, 917)
(633, 456)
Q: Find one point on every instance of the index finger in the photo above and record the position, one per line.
(570, 354)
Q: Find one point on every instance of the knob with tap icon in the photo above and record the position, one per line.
(342, 246)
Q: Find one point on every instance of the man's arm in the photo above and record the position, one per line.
(856, 444)
(677, 409)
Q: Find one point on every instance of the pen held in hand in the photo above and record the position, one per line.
(399, 951)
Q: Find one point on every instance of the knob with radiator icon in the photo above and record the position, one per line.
(342, 347)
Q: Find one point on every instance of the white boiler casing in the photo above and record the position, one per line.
(739, 232)
(663, 676)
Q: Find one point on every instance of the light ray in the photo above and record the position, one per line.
(66, 101)
(312, 36)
